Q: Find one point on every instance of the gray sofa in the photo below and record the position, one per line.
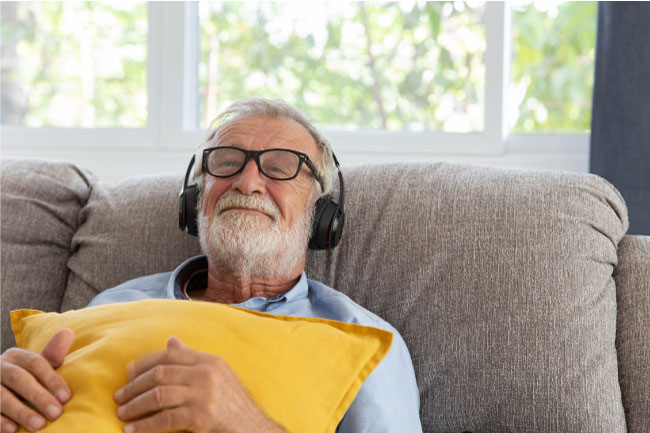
(525, 306)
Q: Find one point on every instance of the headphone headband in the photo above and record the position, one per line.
(341, 189)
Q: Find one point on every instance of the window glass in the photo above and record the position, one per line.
(351, 65)
(74, 64)
(553, 66)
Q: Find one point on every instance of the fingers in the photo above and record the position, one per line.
(160, 389)
(57, 347)
(165, 421)
(31, 390)
(18, 412)
(156, 376)
(26, 373)
(7, 425)
(174, 343)
(155, 399)
(144, 363)
(25, 385)
(179, 354)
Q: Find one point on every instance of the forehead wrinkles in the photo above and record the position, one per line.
(266, 132)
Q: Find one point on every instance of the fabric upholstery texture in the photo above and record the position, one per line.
(303, 372)
(632, 277)
(500, 282)
(126, 230)
(510, 274)
(40, 207)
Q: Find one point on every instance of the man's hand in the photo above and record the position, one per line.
(31, 389)
(182, 389)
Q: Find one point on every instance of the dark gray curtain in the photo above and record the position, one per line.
(620, 127)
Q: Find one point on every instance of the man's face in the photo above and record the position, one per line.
(249, 222)
(260, 133)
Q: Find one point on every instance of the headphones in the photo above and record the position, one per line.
(329, 216)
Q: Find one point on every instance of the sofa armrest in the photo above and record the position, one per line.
(632, 275)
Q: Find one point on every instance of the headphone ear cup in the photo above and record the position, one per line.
(336, 226)
(327, 226)
(187, 203)
(187, 217)
(316, 238)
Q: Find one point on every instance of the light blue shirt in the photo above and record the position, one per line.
(389, 399)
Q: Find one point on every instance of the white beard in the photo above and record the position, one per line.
(251, 246)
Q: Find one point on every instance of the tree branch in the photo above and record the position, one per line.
(376, 88)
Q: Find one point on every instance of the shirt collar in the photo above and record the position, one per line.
(199, 264)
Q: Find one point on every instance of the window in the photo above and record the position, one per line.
(74, 64)
(397, 66)
(554, 50)
(386, 80)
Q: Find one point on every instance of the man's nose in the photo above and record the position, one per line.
(250, 180)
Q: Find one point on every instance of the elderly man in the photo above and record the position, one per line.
(260, 175)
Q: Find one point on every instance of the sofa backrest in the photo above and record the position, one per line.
(500, 281)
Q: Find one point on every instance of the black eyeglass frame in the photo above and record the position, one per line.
(255, 154)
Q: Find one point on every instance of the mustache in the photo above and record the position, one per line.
(232, 199)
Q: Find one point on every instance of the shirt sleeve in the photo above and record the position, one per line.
(389, 400)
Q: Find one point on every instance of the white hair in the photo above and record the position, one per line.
(271, 108)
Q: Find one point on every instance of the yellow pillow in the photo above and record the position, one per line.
(303, 372)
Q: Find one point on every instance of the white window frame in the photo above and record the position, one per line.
(171, 131)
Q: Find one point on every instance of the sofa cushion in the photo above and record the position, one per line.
(41, 201)
(127, 229)
(632, 277)
(302, 372)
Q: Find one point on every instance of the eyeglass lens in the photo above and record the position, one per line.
(276, 164)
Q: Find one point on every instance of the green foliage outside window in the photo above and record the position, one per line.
(354, 65)
(74, 64)
(553, 66)
(351, 65)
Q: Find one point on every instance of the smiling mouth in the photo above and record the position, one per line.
(247, 210)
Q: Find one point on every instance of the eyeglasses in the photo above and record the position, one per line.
(278, 164)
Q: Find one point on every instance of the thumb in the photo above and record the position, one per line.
(174, 343)
(58, 346)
